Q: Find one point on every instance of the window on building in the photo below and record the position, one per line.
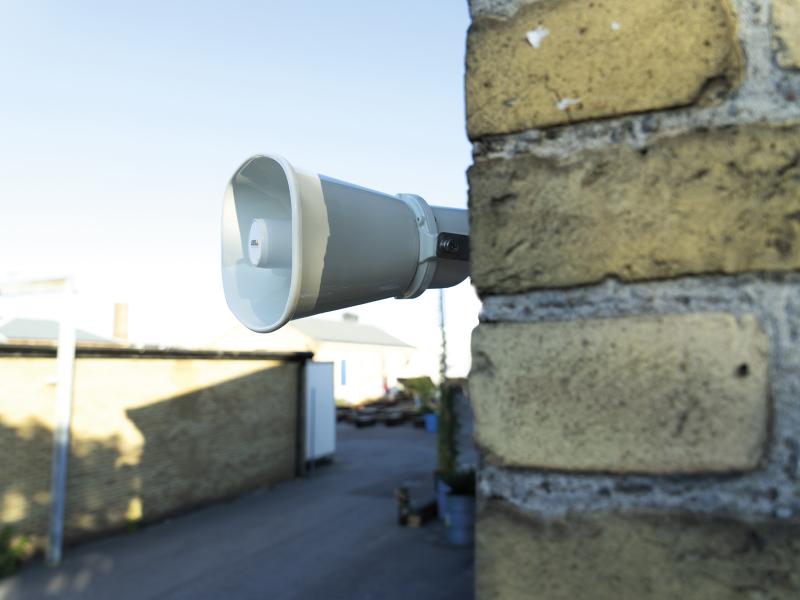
(344, 372)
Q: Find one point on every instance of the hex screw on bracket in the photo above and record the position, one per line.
(453, 246)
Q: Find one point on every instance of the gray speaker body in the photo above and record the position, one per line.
(348, 244)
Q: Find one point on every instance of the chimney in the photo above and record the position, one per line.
(121, 322)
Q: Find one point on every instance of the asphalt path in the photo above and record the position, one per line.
(332, 535)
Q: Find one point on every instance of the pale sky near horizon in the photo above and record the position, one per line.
(121, 123)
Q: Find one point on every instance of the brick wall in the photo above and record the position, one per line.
(635, 207)
(150, 437)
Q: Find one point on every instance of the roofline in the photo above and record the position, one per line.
(53, 343)
(81, 351)
(81, 334)
(399, 345)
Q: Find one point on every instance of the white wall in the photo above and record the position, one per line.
(365, 369)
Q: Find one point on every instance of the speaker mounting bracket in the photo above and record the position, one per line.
(428, 244)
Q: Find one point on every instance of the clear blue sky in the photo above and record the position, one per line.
(121, 122)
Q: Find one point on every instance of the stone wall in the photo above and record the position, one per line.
(635, 207)
(151, 435)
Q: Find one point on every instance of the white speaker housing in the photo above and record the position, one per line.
(295, 244)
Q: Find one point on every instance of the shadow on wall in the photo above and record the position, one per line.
(217, 442)
(204, 445)
(25, 478)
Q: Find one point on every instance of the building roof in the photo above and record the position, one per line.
(41, 330)
(347, 332)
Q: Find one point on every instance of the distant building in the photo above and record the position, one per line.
(43, 331)
(367, 360)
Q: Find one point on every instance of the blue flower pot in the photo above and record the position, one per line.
(431, 422)
(442, 489)
(460, 520)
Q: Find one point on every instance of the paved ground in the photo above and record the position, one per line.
(331, 536)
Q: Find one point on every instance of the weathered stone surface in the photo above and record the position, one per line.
(703, 202)
(636, 556)
(786, 32)
(560, 61)
(658, 394)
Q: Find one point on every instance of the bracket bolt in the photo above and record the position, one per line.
(449, 245)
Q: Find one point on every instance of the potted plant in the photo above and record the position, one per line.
(455, 486)
(423, 390)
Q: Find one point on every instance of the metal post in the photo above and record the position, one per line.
(65, 370)
(301, 422)
(313, 433)
(65, 366)
(443, 361)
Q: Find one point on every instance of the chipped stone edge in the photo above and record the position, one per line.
(767, 93)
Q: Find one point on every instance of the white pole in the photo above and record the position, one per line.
(65, 367)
